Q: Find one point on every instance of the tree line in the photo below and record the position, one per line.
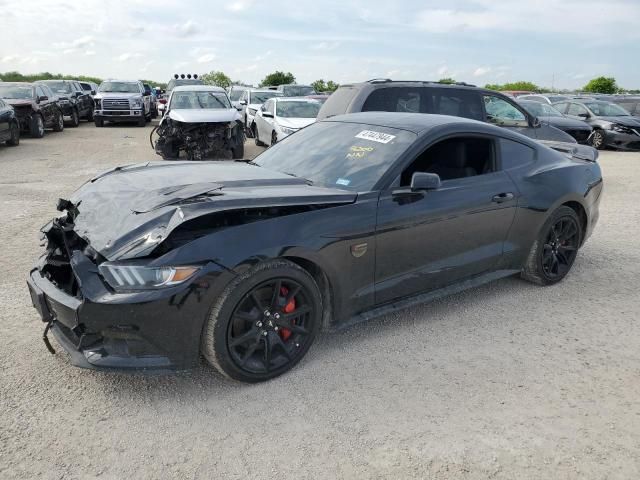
(20, 77)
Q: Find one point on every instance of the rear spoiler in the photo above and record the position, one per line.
(573, 150)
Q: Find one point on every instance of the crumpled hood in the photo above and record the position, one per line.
(126, 212)
(210, 115)
(295, 122)
(14, 102)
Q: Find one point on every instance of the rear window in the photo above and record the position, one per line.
(443, 101)
(338, 102)
(515, 154)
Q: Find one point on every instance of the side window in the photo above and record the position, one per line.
(395, 99)
(457, 157)
(576, 109)
(40, 92)
(2, 105)
(515, 154)
(561, 107)
(501, 112)
(458, 103)
(338, 102)
(271, 107)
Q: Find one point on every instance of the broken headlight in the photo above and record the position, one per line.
(123, 276)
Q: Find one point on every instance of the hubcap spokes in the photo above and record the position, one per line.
(560, 247)
(269, 326)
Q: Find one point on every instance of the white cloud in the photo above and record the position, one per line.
(206, 58)
(127, 56)
(325, 46)
(9, 58)
(90, 53)
(262, 57)
(481, 71)
(187, 29)
(238, 6)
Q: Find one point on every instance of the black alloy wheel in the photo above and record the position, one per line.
(560, 248)
(274, 138)
(75, 118)
(597, 139)
(58, 124)
(264, 322)
(14, 140)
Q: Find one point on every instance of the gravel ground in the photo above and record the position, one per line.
(505, 381)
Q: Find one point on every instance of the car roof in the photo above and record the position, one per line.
(198, 88)
(261, 90)
(295, 99)
(120, 80)
(17, 83)
(412, 83)
(413, 122)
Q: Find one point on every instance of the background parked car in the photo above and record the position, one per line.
(153, 101)
(460, 100)
(74, 101)
(578, 129)
(281, 117)
(250, 102)
(320, 97)
(9, 125)
(89, 87)
(630, 103)
(547, 98)
(293, 90)
(35, 107)
(182, 80)
(235, 94)
(612, 125)
(122, 101)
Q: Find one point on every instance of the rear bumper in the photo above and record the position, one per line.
(621, 141)
(146, 331)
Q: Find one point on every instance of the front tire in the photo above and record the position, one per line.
(98, 122)
(75, 118)
(263, 323)
(554, 251)
(58, 124)
(274, 138)
(36, 126)
(14, 140)
(256, 137)
(597, 139)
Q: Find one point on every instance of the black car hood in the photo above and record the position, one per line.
(565, 122)
(19, 102)
(126, 212)
(627, 121)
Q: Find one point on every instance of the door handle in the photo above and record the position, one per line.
(502, 197)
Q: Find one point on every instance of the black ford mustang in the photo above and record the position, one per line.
(152, 265)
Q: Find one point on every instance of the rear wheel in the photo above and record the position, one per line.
(238, 152)
(36, 126)
(98, 122)
(142, 121)
(14, 139)
(554, 251)
(90, 115)
(256, 136)
(263, 323)
(597, 139)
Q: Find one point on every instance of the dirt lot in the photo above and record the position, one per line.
(507, 381)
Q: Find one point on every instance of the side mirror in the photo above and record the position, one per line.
(93, 92)
(584, 115)
(243, 102)
(42, 98)
(536, 123)
(79, 93)
(267, 114)
(424, 181)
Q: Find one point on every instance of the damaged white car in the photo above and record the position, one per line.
(200, 122)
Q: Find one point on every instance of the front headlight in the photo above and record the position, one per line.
(621, 128)
(122, 276)
(288, 131)
(136, 102)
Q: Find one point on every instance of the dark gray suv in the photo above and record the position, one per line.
(459, 100)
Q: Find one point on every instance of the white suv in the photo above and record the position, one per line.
(250, 102)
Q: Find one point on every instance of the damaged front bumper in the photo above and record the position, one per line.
(156, 330)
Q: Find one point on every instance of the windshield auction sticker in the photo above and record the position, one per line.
(375, 136)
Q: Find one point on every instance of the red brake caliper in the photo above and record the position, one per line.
(285, 333)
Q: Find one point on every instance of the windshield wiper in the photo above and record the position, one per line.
(309, 182)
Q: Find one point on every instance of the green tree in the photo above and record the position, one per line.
(447, 80)
(278, 78)
(601, 85)
(217, 78)
(19, 77)
(321, 86)
(520, 85)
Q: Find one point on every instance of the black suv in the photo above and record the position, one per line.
(9, 126)
(75, 102)
(459, 99)
(36, 107)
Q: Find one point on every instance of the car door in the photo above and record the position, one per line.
(83, 99)
(266, 121)
(429, 239)
(5, 118)
(46, 106)
(578, 111)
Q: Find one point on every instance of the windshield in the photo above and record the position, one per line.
(297, 90)
(235, 95)
(198, 100)
(119, 87)
(16, 92)
(607, 109)
(541, 109)
(338, 155)
(59, 87)
(261, 97)
(298, 109)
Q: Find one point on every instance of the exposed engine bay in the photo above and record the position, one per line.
(198, 140)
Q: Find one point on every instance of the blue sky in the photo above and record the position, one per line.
(477, 41)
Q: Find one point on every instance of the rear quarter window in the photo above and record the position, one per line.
(338, 102)
(515, 154)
